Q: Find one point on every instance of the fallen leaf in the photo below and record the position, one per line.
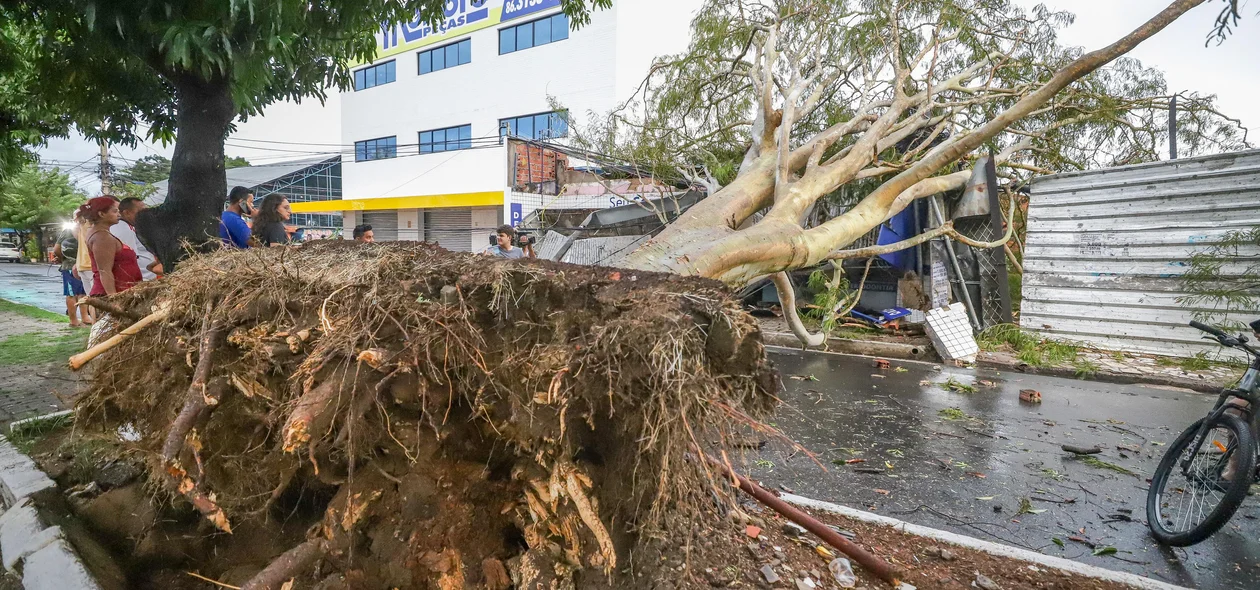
(985, 498)
(888, 464)
(1108, 550)
(884, 492)
(1057, 541)
(852, 461)
(976, 474)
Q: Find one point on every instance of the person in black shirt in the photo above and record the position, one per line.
(269, 221)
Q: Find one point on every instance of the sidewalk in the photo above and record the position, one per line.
(34, 346)
(1084, 363)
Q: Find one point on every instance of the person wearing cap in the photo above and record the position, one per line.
(115, 265)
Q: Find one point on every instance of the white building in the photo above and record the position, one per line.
(427, 116)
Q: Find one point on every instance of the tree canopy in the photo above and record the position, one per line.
(33, 197)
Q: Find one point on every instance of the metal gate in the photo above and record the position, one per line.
(450, 228)
(384, 224)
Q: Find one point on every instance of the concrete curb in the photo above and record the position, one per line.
(27, 542)
(1059, 563)
(1199, 385)
(911, 352)
(897, 350)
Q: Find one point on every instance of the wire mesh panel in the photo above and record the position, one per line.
(987, 267)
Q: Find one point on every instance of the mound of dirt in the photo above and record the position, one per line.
(399, 416)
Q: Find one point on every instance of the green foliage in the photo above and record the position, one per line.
(34, 197)
(1085, 369)
(694, 113)
(1222, 283)
(146, 170)
(25, 436)
(230, 162)
(1100, 464)
(1193, 364)
(1028, 348)
(830, 294)
(957, 386)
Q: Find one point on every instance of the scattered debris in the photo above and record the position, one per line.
(984, 583)
(901, 370)
(842, 571)
(753, 531)
(957, 386)
(804, 377)
(882, 364)
(1081, 450)
(1025, 507)
(794, 530)
(1031, 396)
(1099, 463)
(940, 553)
(869, 470)
(768, 573)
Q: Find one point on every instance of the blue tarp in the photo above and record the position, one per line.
(900, 227)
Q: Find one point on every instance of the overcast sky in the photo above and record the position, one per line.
(1231, 71)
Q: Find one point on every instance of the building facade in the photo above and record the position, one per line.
(429, 117)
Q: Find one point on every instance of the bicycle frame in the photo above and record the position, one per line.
(1227, 402)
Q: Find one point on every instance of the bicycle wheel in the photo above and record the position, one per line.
(1186, 505)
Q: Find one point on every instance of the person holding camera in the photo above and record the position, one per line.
(505, 244)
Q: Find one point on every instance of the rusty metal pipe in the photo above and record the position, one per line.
(867, 560)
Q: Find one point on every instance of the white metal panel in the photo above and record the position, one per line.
(450, 228)
(1106, 249)
(384, 224)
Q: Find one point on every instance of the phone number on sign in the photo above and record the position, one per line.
(512, 8)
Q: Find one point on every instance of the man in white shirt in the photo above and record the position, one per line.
(128, 208)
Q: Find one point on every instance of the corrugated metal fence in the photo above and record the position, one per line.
(1106, 248)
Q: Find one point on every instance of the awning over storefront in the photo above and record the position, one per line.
(483, 199)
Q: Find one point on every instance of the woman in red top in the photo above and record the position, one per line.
(115, 265)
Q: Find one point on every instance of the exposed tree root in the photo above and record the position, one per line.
(288, 565)
(530, 429)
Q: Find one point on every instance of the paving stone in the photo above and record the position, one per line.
(19, 476)
(56, 567)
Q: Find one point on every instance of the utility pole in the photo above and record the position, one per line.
(1172, 128)
(105, 184)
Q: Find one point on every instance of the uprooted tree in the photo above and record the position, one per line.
(895, 96)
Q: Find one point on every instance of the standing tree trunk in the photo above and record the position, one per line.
(197, 186)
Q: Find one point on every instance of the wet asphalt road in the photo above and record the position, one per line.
(964, 461)
(33, 284)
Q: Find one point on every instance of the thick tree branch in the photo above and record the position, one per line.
(946, 229)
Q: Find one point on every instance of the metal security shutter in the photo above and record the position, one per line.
(450, 229)
(384, 224)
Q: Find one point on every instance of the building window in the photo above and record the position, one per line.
(375, 149)
(446, 140)
(540, 126)
(447, 56)
(374, 75)
(534, 33)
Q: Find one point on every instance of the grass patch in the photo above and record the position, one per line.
(1028, 347)
(1085, 369)
(953, 414)
(26, 435)
(31, 311)
(1194, 364)
(36, 348)
(1100, 464)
